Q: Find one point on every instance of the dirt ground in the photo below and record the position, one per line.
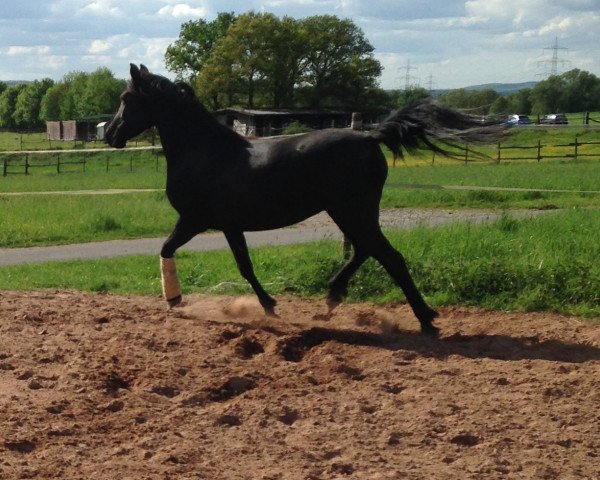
(109, 387)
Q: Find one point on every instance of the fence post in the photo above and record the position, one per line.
(58, 163)
(5, 168)
(586, 118)
(466, 153)
(499, 155)
(26, 164)
(576, 148)
(539, 151)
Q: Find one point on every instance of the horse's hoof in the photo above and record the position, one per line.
(332, 302)
(430, 331)
(270, 312)
(173, 302)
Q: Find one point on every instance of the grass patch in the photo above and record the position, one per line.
(55, 220)
(544, 263)
(421, 186)
(47, 220)
(116, 169)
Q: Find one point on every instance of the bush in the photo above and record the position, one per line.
(295, 127)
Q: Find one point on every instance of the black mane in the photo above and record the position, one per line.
(183, 96)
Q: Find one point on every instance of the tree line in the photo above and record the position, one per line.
(77, 95)
(572, 91)
(260, 60)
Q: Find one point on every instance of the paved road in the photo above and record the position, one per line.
(316, 228)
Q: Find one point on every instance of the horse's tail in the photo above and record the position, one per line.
(421, 124)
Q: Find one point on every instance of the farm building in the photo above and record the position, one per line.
(265, 123)
(84, 129)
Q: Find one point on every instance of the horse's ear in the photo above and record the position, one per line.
(136, 75)
(144, 70)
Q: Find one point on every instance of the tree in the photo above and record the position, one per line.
(276, 62)
(260, 59)
(285, 68)
(217, 84)
(520, 102)
(402, 98)
(190, 52)
(248, 49)
(582, 91)
(50, 106)
(456, 98)
(8, 100)
(28, 103)
(549, 96)
(332, 46)
(81, 94)
(360, 84)
(101, 93)
(482, 100)
(501, 106)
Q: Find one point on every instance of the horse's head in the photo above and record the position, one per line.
(134, 114)
(141, 103)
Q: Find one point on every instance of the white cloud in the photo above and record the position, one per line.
(100, 8)
(99, 46)
(182, 10)
(509, 14)
(556, 25)
(15, 50)
(52, 62)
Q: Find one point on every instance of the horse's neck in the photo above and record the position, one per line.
(197, 133)
(178, 135)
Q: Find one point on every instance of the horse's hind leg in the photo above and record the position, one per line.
(338, 285)
(393, 261)
(237, 243)
(365, 233)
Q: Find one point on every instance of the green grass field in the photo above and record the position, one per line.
(545, 263)
(30, 220)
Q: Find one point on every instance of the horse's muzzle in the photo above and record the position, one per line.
(112, 136)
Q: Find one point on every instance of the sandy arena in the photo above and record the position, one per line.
(109, 387)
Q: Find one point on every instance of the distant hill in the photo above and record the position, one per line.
(501, 88)
(12, 83)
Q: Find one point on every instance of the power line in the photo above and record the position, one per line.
(407, 76)
(554, 60)
(430, 83)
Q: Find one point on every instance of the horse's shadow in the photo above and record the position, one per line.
(499, 347)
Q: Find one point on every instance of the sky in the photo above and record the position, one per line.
(430, 43)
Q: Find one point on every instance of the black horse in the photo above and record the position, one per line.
(217, 179)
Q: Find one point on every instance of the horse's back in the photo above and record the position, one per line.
(330, 154)
(319, 168)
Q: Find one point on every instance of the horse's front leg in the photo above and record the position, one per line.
(338, 285)
(183, 233)
(237, 243)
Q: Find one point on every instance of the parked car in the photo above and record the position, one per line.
(555, 119)
(518, 120)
